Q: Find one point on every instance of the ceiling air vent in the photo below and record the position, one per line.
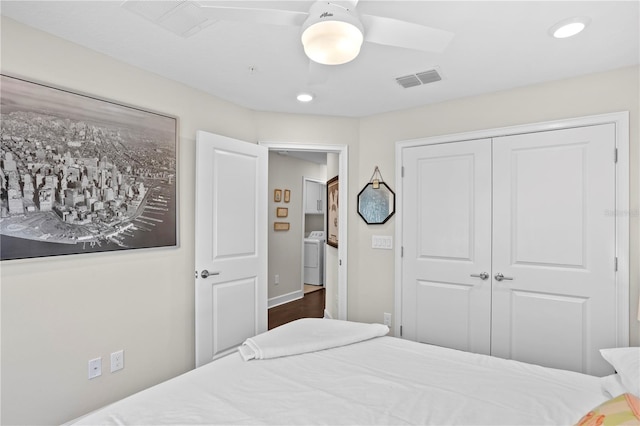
(418, 79)
(408, 81)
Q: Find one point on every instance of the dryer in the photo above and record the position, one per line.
(314, 258)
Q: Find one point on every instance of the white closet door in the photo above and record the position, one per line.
(447, 213)
(554, 238)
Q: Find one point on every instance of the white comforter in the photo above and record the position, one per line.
(384, 380)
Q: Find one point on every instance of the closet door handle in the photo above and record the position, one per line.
(500, 277)
(483, 275)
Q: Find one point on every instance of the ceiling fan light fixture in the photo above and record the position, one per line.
(331, 35)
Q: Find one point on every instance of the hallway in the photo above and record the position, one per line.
(310, 306)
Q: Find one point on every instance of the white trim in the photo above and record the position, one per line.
(621, 121)
(285, 298)
(398, 252)
(622, 226)
(592, 120)
(343, 200)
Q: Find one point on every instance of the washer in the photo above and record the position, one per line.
(314, 258)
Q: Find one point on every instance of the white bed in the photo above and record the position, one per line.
(381, 380)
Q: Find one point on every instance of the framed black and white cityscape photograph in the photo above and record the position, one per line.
(79, 174)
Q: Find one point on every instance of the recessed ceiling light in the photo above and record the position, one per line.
(305, 97)
(569, 27)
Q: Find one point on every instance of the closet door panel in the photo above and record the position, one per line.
(445, 314)
(548, 205)
(555, 243)
(447, 204)
(533, 337)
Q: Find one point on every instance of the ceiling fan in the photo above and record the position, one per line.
(332, 32)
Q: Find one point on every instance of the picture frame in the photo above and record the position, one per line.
(282, 212)
(277, 195)
(287, 195)
(376, 203)
(83, 174)
(281, 226)
(333, 211)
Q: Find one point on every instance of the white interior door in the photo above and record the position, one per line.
(553, 239)
(446, 293)
(231, 244)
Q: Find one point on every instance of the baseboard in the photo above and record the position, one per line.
(285, 298)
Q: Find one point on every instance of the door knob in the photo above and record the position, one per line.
(482, 275)
(207, 274)
(500, 277)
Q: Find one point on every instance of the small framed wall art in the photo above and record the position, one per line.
(282, 212)
(376, 201)
(287, 195)
(277, 195)
(281, 226)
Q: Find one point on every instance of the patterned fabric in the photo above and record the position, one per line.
(623, 410)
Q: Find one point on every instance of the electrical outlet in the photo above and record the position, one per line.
(276, 279)
(117, 360)
(95, 368)
(387, 319)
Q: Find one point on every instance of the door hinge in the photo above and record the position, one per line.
(402, 171)
(616, 264)
(402, 251)
(400, 331)
(615, 155)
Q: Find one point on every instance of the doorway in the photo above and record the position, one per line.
(336, 258)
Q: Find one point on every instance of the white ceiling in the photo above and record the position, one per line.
(497, 45)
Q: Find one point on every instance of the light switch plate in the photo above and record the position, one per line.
(384, 242)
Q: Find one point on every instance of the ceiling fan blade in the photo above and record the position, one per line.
(393, 32)
(347, 4)
(254, 15)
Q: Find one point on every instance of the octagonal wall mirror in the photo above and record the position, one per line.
(376, 203)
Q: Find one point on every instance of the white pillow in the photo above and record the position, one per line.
(612, 385)
(626, 362)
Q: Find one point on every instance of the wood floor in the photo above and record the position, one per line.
(308, 288)
(310, 306)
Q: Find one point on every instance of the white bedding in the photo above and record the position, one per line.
(384, 380)
(308, 335)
